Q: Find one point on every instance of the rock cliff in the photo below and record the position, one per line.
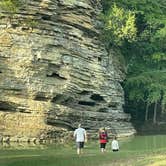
(58, 73)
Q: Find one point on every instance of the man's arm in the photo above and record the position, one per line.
(74, 135)
(85, 136)
(117, 144)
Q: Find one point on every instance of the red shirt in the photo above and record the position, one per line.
(103, 137)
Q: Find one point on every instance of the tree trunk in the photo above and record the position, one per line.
(147, 110)
(162, 108)
(155, 113)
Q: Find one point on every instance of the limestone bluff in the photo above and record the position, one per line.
(58, 74)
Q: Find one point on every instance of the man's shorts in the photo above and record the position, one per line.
(80, 145)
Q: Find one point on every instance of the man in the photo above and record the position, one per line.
(80, 137)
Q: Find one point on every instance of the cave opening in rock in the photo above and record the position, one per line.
(58, 98)
(55, 75)
(41, 97)
(102, 110)
(99, 59)
(87, 103)
(46, 17)
(112, 105)
(7, 106)
(62, 99)
(68, 100)
(97, 97)
(84, 92)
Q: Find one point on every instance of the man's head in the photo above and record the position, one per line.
(79, 125)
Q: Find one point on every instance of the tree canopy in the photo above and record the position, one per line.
(138, 28)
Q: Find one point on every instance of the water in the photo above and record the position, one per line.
(65, 155)
(144, 143)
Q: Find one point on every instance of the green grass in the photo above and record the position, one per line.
(65, 155)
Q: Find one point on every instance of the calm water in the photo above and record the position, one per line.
(144, 143)
(59, 155)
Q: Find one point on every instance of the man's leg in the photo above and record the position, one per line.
(78, 151)
(81, 147)
(78, 147)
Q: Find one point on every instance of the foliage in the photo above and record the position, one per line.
(11, 9)
(10, 6)
(145, 55)
(120, 25)
(31, 23)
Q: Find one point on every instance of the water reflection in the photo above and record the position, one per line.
(137, 143)
(144, 143)
(21, 145)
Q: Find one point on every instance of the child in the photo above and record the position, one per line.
(103, 139)
(115, 145)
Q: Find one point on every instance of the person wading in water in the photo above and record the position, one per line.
(103, 139)
(80, 137)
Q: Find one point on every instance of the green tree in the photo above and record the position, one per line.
(10, 8)
(149, 88)
(145, 55)
(119, 25)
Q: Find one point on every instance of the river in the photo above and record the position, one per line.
(65, 154)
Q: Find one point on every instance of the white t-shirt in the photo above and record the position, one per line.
(79, 134)
(114, 145)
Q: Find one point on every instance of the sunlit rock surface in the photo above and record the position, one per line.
(58, 74)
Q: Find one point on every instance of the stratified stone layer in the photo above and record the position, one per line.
(58, 74)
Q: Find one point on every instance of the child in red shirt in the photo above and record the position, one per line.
(103, 139)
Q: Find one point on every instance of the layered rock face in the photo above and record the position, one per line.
(58, 74)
